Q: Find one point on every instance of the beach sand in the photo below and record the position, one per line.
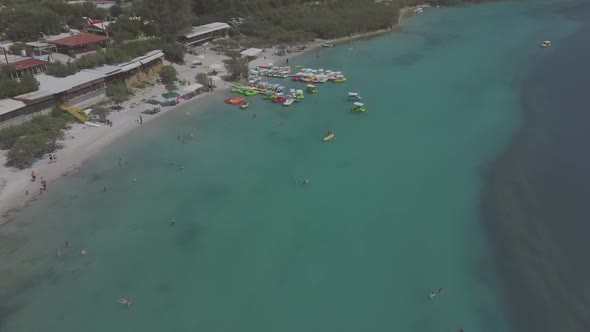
(82, 141)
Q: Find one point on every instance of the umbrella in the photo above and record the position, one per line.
(215, 66)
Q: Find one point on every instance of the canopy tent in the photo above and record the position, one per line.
(170, 95)
(251, 52)
(192, 87)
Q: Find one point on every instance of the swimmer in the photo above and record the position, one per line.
(67, 244)
(432, 295)
(440, 290)
(83, 252)
(126, 302)
(306, 181)
(57, 252)
(187, 114)
(172, 222)
(254, 116)
(134, 180)
(181, 167)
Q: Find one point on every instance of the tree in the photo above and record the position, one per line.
(170, 86)
(236, 67)
(168, 74)
(170, 17)
(203, 79)
(119, 93)
(28, 83)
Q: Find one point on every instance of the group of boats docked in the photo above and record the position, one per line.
(309, 75)
(270, 71)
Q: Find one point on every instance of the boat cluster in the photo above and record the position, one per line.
(278, 93)
(309, 75)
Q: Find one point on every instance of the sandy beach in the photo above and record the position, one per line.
(82, 141)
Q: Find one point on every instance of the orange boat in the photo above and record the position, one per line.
(234, 100)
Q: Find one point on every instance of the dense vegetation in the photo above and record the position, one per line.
(33, 139)
(120, 53)
(10, 87)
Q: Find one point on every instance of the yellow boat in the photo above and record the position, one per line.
(340, 80)
(329, 137)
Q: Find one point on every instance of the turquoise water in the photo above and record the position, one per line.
(390, 213)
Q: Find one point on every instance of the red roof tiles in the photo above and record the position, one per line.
(80, 39)
(26, 63)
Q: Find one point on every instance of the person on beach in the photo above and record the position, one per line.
(50, 158)
(57, 253)
(54, 158)
(67, 244)
(33, 176)
(432, 295)
(140, 119)
(125, 302)
(26, 193)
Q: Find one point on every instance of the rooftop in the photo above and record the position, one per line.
(27, 63)
(79, 39)
(60, 84)
(204, 29)
(10, 105)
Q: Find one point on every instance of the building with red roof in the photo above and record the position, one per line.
(27, 66)
(80, 43)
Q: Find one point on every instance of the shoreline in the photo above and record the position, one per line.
(82, 141)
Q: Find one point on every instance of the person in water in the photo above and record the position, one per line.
(432, 295)
(330, 133)
(126, 302)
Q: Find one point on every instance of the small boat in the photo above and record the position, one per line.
(328, 45)
(244, 105)
(546, 43)
(358, 107)
(279, 99)
(354, 96)
(249, 92)
(288, 102)
(299, 66)
(311, 88)
(329, 136)
(341, 79)
(299, 94)
(234, 100)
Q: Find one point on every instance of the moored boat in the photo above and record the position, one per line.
(311, 88)
(358, 107)
(244, 105)
(288, 102)
(354, 96)
(546, 43)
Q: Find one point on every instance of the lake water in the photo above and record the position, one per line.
(391, 213)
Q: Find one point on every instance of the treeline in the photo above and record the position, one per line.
(33, 139)
(309, 21)
(10, 87)
(27, 20)
(120, 53)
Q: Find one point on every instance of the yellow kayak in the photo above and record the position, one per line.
(329, 137)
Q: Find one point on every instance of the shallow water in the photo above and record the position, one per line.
(391, 211)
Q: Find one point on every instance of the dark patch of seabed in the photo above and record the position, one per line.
(537, 200)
